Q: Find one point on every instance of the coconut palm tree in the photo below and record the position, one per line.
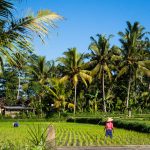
(39, 72)
(16, 34)
(73, 70)
(100, 57)
(135, 57)
(19, 61)
(40, 69)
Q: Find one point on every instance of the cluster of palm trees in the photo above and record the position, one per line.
(131, 62)
(107, 78)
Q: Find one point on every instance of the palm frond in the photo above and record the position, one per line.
(144, 63)
(75, 80)
(64, 79)
(145, 70)
(51, 91)
(129, 26)
(83, 79)
(5, 9)
(124, 70)
(40, 23)
(106, 68)
(85, 76)
(121, 34)
(93, 47)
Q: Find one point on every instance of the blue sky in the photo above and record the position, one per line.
(85, 18)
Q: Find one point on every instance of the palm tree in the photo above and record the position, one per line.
(100, 57)
(18, 61)
(39, 72)
(58, 90)
(40, 69)
(17, 34)
(134, 54)
(73, 69)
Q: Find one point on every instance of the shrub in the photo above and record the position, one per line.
(86, 120)
(136, 126)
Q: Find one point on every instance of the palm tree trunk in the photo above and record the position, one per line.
(64, 106)
(135, 88)
(40, 103)
(103, 90)
(75, 99)
(128, 93)
(18, 92)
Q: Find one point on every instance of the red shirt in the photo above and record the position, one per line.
(109, 125)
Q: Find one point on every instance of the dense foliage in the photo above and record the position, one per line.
(108, 78)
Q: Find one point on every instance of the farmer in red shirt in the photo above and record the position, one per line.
(109, 128)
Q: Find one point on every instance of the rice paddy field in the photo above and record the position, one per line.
(73, 134)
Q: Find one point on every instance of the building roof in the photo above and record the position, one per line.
(17, 108)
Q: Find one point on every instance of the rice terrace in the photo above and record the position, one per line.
(74, 75)
(73, 134)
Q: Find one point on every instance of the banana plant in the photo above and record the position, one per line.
(94, 101)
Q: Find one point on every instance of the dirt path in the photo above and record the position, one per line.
(136, 147)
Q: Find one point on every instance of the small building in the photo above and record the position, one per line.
(14, 110)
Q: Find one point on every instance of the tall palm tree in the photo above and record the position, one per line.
(73, 69)
(19, 61)
(39, 71)
(134, 54)
(100, 57)
(17, 34)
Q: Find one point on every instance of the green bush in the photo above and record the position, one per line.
(86, 120)
(136, 126)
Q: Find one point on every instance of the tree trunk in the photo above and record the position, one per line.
(40, 103)
(135, 89)
(128, 93)
(75, 100)
(18, 92)
(103, 90)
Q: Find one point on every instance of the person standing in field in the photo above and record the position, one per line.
(109, 128)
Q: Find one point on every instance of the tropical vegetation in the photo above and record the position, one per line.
(106, 78)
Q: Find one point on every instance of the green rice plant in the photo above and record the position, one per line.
(9, 145)
(71, 134)
(74, 138)
(79, 139)
(38, 137)
(65, 139)
(69, 138)
(84, 140)
(59, 137)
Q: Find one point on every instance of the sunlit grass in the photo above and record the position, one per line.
(73, 134)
